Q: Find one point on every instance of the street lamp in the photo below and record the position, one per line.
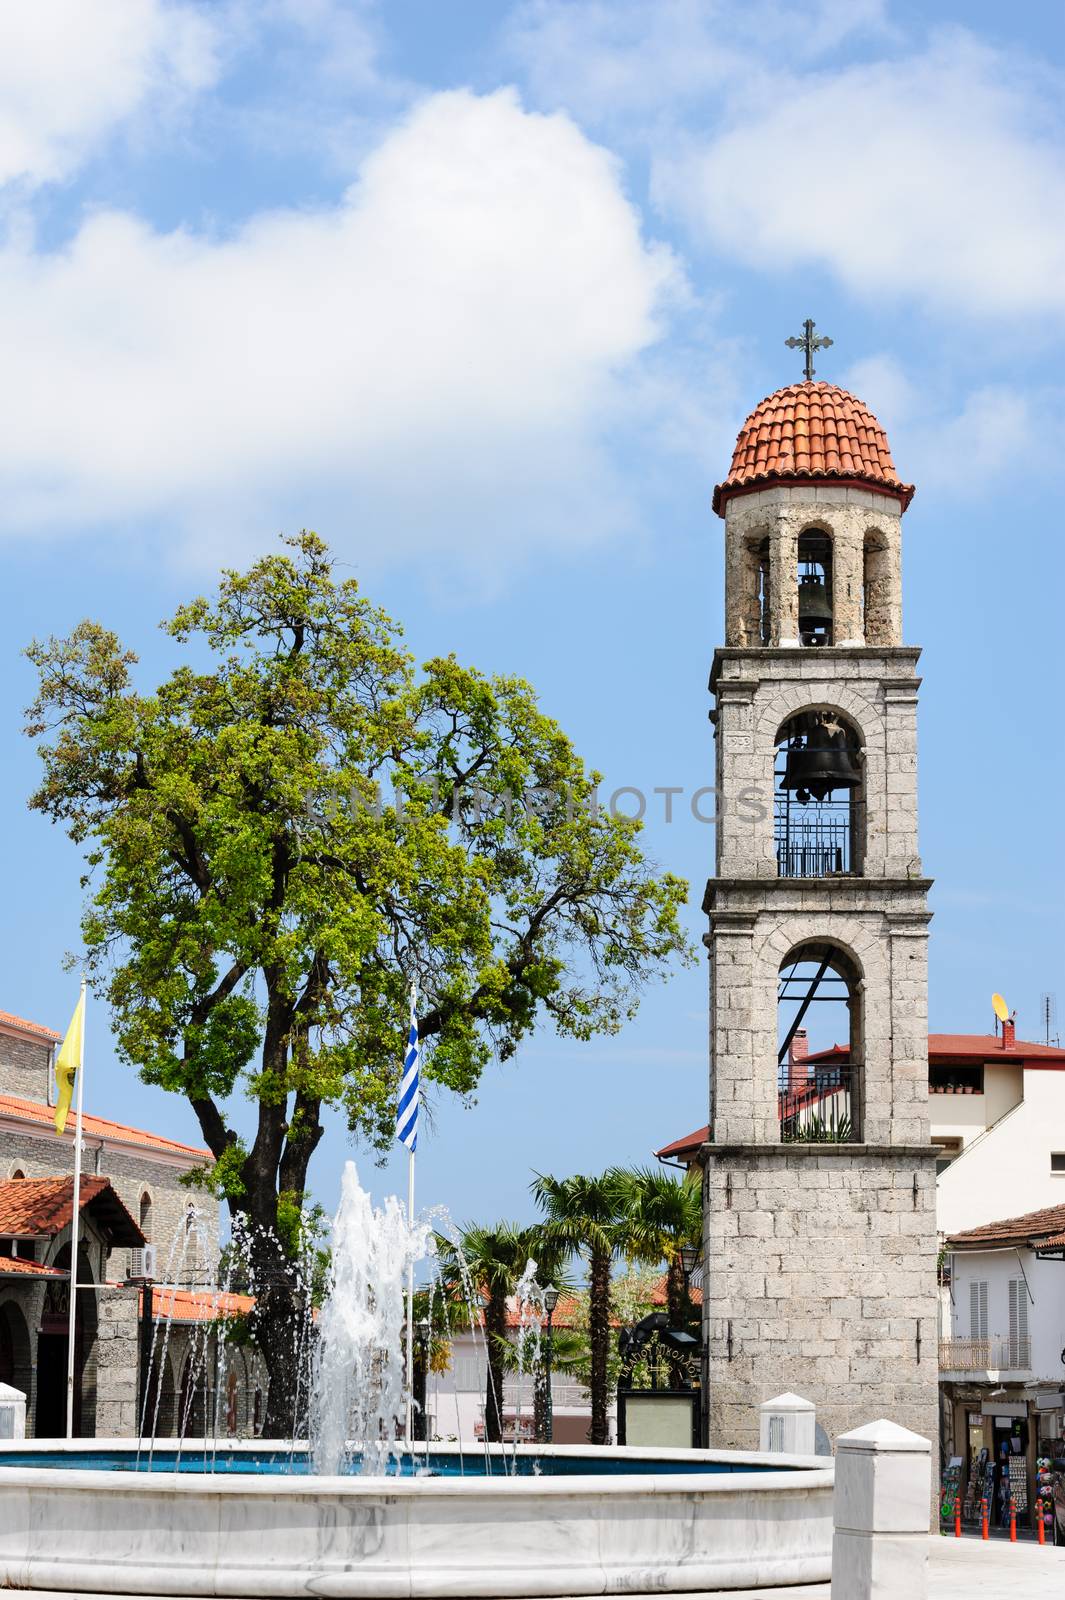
(550, 1302)
(422, 1331)
(689, 1255)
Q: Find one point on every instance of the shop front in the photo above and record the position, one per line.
(1005, 1440)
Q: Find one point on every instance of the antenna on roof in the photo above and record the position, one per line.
(1048, 1011)
(1001, 1010)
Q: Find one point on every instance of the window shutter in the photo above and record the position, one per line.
(978, 1309)
(1018, 1323)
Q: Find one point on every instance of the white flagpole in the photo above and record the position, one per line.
(410, 1306)
(75, 1230)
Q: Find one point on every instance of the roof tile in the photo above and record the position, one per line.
(840, 439)
(97, 1127)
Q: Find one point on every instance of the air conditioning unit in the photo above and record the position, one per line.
(142, 1264)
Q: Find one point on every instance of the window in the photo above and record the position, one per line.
(18, 1173)
(978, 1310)
(819, 1054)
(1017, 1354)
(1057, 1161)
(146, 1215)
(818, 796)
(815, 587)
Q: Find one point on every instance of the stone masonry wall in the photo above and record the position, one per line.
(117, 1353)
(24, 1067)
(821, 1265)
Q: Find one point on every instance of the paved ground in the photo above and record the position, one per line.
(957, 1570)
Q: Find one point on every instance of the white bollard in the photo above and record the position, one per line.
(883, 1491)
(12, 1412)
(787, 1423)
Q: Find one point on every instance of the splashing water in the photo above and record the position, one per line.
(358, 1391)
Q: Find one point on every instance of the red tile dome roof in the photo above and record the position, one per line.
(807, 433)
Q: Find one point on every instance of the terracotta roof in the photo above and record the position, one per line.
(42, 1207)
(1037, 1228)
(199, 1305)
(988, 1047)
(807, 433)
(96, 1127)
(688, 1146)
(16, 1267)
(8, 1019)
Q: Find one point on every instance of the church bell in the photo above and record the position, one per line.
(823, 764)
(815, 605)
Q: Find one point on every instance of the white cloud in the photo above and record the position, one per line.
(937, 176)
(72, 71)
(621, 61)
(440, 353)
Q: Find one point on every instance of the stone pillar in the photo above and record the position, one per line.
(12, 1412)
(883, 1491)
(788, 1424)
(117, 1362)
(784, 582)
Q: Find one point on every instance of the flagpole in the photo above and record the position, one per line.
(410, 1305)
(75, 1230)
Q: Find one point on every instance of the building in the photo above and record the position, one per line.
(822, 1241)
(134, 1193)
(1003, 1381)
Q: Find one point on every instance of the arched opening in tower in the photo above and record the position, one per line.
(815, 587)
(818, 796)
(819, 1059)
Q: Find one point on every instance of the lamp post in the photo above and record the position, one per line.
(550, 1302)
(689, 1255)
(422, 1330)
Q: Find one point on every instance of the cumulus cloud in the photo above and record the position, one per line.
(71, 72)
(936, 176)
(440, 351)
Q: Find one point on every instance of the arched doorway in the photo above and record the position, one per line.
(52, 1345)
(16, 1354)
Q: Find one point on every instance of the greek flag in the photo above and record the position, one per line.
(407, 1105)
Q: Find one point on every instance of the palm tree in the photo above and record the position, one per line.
(663, 1216)
(491, 1261)
(586, 1214)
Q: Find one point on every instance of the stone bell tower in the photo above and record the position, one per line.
(819, 1190)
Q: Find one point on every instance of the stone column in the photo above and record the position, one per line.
(846, 579)
(784, 582)
(883, 1491)
(788, 1424)
(117, 1362)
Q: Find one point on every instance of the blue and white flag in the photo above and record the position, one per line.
(407, 1105)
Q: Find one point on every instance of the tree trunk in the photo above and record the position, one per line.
(282, 1339)
(676, 1306)
(495, 1328)
(599, 1341)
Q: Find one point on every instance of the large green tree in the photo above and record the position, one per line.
(294, 826)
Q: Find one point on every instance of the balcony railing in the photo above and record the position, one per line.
(818, 1104)
(995, 1354)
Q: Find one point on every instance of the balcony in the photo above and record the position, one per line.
(995, 1354)
(818, 1104)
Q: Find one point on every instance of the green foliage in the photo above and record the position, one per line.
(817, 1129)
(259, 902)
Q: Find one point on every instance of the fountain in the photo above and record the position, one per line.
(356, 1511)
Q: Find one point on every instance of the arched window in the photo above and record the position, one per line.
(819, 796)
(146, 1215)
(819, 1060)
(17, 1173)
(877, 598)
(815, 587)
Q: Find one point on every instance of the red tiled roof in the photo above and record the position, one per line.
(807, 433)
(199, 1305)
(988, 1047)
(8, 1019)
(97, 1127)
(1039, 1228)
(42, 1207)
(17, 1267)
(687, 1146)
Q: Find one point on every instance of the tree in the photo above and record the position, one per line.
(663, 1215)
(258, 908)
(588, 1215)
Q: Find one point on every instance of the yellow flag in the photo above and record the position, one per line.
(69, 1063)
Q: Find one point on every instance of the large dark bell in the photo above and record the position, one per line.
(823, 765)
(815, 607)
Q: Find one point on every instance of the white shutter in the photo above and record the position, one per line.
(978, 1309)
(1018, 1348)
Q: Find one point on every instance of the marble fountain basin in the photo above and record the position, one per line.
(556, 1520)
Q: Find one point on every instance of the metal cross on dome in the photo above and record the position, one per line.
(809, 342)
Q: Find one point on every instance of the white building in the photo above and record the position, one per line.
(1002, 1365)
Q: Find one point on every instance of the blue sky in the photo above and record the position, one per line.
(482, 292)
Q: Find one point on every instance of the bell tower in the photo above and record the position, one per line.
(819, 1176)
